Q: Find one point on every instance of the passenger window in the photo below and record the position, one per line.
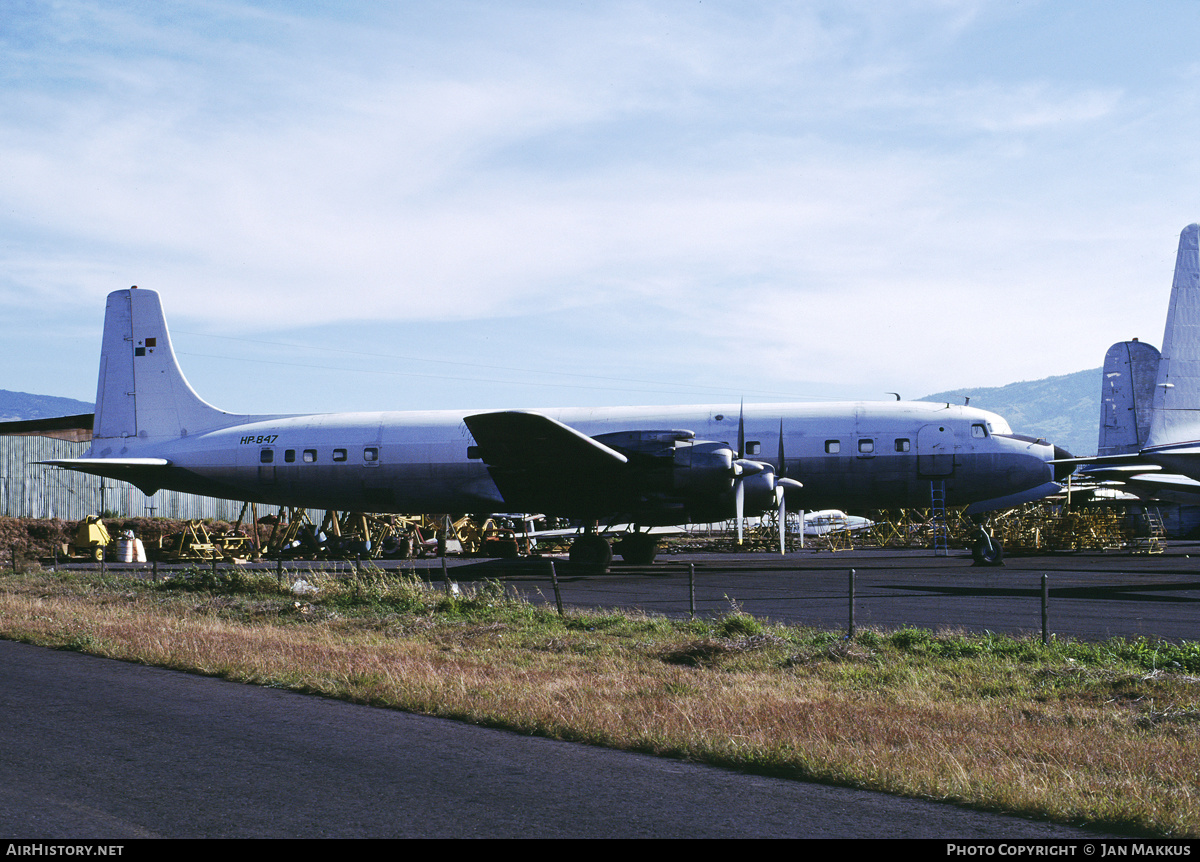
(370, 454)
(289, 455)
(266, 456)
(832, 447)
(753, 447)
(978, 431)
(866, 446)
(902, 444)
(339, 454)
(310, 455)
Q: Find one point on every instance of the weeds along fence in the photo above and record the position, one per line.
(677, 589)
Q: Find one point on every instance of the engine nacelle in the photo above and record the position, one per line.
(702, 467)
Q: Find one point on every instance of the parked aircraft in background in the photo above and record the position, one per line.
(826, 521)
(1150, 402)
(648, 466)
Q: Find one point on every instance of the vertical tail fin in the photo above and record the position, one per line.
(1177, 390)
(141, 394)
(1126, 397)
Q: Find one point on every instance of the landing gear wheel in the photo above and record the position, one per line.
(987, 552)
(638, 549)
(590, 549)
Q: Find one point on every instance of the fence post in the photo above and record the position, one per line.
(557, 595)
(1045, 609)
(850, 631)
(692, 588)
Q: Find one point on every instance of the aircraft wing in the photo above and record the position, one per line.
(540, 464)
(1171, 481)
(1129, 458)
(1012, 500)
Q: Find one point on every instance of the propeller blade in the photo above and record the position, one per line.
(779, 493)
(739, 498)
(782, 520)
(782, 463)
(742, 429)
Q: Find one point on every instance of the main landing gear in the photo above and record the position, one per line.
(638, 549)
(592, 549)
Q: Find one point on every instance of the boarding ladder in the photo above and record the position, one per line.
(937, 519)
(1154, 542)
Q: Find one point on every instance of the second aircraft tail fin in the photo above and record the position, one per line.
(1127, 397)
(1176, 413)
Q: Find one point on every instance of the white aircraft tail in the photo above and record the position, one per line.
(1127, 397)
(142, 395)
(1176, 413)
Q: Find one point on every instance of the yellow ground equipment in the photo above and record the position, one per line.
(91, 538)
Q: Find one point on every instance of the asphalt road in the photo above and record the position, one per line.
(100, 749)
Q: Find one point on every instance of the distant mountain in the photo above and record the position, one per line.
(16, 406)
(1065, 410)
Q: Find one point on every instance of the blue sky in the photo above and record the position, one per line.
(503, 204)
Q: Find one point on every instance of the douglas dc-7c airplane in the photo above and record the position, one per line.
(648, 466)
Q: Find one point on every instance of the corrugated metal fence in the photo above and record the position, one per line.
(32, 490)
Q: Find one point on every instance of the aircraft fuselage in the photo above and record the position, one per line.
(860, 455)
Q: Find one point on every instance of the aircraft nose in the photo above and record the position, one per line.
(1062, 471)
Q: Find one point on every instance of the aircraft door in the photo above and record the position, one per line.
(266, 466)
(935, 450)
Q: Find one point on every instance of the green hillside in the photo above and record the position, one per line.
(1065, 409)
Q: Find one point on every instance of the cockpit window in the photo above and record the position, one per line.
(979, 430)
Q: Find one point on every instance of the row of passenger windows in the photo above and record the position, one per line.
(309, 456)
(866, 445)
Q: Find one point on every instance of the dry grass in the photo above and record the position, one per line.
(1076, 733)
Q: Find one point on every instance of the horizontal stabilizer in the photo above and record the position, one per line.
(77, 429)
(146, 473)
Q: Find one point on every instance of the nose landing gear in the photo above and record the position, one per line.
(986, 551)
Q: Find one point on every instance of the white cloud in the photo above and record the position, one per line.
(816, 188)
